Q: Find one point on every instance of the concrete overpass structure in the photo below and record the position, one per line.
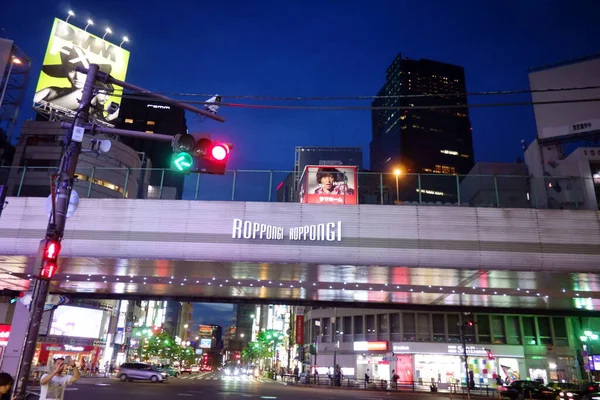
(238, 251)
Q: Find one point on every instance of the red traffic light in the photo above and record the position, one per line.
(469, 323)
(51, 250)
(48, 269)
(49, 262)
(220, 151)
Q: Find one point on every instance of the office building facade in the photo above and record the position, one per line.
(421, 140)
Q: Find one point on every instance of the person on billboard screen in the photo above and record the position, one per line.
(332, 181)
(67, 97)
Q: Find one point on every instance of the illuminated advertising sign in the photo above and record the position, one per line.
(205, 343)
(329, 231)
(4, 334)
(76, 322)
(205, 330)
(329, 185)
(60, 85)
(370, 346)
(299, 329)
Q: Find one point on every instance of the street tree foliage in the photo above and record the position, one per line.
(164, 346)
(264, 346)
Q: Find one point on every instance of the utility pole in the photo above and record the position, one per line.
(55, 230)
(335, 345)
(290, 340)
(463, 327)
(60, 202)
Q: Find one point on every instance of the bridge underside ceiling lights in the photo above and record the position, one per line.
(209, 281)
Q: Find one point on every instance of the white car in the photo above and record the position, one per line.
(195, 368)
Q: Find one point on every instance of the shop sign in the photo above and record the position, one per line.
(68, 347)
(299, 329)
(471, 350)
(457, 349)
(54, 348)
(370, 346)
(4, 334)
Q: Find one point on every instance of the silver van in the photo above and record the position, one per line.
(140, 371)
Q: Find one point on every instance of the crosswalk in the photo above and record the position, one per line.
(216, 376)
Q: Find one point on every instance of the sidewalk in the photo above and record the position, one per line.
(476, 394)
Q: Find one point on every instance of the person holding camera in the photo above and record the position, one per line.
(54, 383)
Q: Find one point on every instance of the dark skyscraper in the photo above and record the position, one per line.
(422, 140)
(146, 115)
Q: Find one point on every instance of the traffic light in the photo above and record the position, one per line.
(469, 324)
(201, 156)
(50, 254)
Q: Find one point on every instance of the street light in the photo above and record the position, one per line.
(397, 172)
(106, 32)
(71, 14)
(14, 61)
(89, 22)
(125, 39)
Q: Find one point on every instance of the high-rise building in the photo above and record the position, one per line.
(244, 320)
(150, 116)
(422, 140)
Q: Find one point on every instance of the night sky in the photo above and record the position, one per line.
(323, 48)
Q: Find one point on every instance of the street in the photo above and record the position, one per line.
(215, 385)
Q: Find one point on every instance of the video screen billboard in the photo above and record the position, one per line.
(76, 322)
(566, 114)
(321, 184)
(205, 343)
(60, 85)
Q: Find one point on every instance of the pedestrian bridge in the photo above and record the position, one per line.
(233, 251)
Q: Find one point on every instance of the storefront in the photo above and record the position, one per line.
(83, 355)
(443, 364)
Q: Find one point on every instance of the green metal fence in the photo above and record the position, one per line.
(505, 191)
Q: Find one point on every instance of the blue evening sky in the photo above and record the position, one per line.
(322, 48)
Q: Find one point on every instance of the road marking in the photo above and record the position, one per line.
(102, 384)
(268, 397)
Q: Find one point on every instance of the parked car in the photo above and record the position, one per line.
(195, 368)
(521, 390)
(171, 371)
(141, 371)
(579, 392)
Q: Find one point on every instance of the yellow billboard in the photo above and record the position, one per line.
(60, 85)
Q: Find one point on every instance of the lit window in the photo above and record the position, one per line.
(464, 155)
(444, 169)
(151, 123)
(449, 152)
(433, 192)
(149, 131)
(128, 121)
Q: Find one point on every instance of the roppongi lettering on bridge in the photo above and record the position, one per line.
(329, 231)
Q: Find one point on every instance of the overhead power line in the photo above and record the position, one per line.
(365, 108)
(119, 92)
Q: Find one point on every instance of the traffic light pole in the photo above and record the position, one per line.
(55, 231)
(464, 343)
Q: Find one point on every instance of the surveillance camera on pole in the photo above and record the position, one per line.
(212, 104)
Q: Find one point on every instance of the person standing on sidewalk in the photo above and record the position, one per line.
(54, 383)
(6, 382)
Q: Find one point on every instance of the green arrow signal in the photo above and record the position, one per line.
(183, 162)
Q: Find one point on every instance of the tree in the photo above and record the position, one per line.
(264, 346)
(161, 346)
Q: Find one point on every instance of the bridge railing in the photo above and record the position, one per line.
(507, 191)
